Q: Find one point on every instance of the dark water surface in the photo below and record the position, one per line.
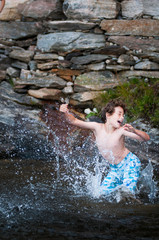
(51, 200)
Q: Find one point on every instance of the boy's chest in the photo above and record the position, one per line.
(108, 140)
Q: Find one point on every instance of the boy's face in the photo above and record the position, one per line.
(117, 117)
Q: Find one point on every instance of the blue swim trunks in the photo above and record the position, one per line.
(125, 174)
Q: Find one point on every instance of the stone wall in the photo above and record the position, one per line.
(60, 49)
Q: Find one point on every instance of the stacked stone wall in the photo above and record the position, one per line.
(55, 49)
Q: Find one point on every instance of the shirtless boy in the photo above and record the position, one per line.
(110, 139)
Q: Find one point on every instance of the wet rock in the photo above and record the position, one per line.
(22, 55)
(69, 25)
(95, 81)
(90, 10)
(7, 92)
(135, 43)
(139, 27)
(41, 10)
(89, 58)
(133, 8)
(147, 65)
(18, 30)
(23, 134)
(69, 41)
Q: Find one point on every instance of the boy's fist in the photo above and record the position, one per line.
(64, 108)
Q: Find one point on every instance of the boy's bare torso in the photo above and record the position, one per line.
(111, 145)
(110, 136)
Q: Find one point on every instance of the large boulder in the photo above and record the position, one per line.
(23, 134)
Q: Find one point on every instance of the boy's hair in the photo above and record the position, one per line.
(110, 108)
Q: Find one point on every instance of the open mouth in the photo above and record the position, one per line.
(119, 122)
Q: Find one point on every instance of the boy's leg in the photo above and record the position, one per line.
(132, 173)
(110, 182)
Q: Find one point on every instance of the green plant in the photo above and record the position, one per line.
(141, 97)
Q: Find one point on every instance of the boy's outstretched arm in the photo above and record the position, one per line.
(2, 5)
(75, 121)
(135, 133)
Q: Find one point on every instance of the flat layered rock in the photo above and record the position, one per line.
(48, 65)
(138, 27)
(154, 56)
(128, 74)
(46, 56)
(69, 25)
(90, 9)
(135, 43)
(69, 41)
(96, 66)
(18, 30)
(89, 58)
(146, 65)
(22, 55)
(41, 80)
(110, 50)
(47, 94)
(117, 68)
(66, 72)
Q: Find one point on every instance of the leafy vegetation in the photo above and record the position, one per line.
(141, 97)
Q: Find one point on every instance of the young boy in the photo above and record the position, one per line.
(110, 139)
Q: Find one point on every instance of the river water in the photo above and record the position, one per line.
(57, 198)
(45, 199)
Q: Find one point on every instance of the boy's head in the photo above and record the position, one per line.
(110, 108)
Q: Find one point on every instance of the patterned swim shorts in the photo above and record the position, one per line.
(125, 174)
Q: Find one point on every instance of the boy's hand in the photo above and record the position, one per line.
(64, 108)
(129, 128)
